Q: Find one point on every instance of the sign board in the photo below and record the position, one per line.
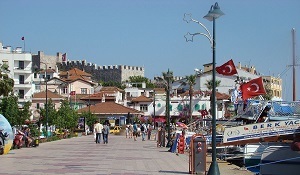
(261, 130)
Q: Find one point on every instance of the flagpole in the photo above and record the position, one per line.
(23, 38)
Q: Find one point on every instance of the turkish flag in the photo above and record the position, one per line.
(227, 69)
(72, 92)
(23, 38)
(253, 88)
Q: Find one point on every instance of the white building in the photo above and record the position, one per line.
(20, 66)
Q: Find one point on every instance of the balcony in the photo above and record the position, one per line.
(26, 84)
(22, 70)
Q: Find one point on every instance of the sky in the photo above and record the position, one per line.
(150, 33)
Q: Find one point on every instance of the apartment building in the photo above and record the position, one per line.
(20, 66)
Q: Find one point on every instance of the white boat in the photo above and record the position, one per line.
(280, 160)
(253, 152)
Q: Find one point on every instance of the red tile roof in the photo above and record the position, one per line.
(141, 98)
(75, 72)
(109, 108)
(49, 95)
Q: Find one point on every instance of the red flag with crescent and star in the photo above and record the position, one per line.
(227, 69)
(253, 88)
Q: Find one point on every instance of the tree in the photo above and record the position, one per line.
(9, 109)
(67, 117)
(190, 80)
(6, 83)
(112, 83)
(140, 79)
(89, 118)
(24, 113)
(51, 116)
(209, 84)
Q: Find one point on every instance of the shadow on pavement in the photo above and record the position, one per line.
(174, 172)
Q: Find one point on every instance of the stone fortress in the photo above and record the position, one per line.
(115, 73)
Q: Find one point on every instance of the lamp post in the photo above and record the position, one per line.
(46, 104)
(213, 14)
(154, 108)
(168, 76)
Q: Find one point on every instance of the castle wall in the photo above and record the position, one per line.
(116, 73)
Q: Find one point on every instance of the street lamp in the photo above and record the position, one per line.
(154, 108)
(213, 14)
(168, 76)
(46, 104)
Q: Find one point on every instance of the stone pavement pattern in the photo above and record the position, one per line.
(81, 155)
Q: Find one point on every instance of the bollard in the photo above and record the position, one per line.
(197, 155)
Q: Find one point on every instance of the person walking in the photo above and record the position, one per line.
(144, 131)
(135, 132)
(98, 129)
(105, 132)
(127, 131)
(130, 130)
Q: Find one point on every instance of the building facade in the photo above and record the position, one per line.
(20, 66)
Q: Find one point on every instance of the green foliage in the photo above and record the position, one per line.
(140, 79)
(113, 84)
(24, 114)
(52, 114)
(190, 81)
(89, 118)
(67, 117)
(209, 84)
(9, 109)
(6, 83)
(34, 130)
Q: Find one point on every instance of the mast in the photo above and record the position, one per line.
(294, 63)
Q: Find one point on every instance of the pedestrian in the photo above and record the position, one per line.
(105, 132)
(149, 129)
(98, 129)
(130, 130)
(143, 131)
(127, 131)
(135, 132)
(94, 130)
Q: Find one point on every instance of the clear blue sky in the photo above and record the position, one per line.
(151, 33)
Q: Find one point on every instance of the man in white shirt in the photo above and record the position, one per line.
(98, 130)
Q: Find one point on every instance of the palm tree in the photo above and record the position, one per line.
(190, 81)
(209, 84)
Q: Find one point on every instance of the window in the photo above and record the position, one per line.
(21, 79)
(143, 107)
(65, 90)
(21, 93)
(21, 64)
(83, 90)
(37, 106)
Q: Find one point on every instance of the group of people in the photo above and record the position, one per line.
(26, 139)
(135, 131)
(101, 130)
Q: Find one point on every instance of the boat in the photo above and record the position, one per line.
(280, 160)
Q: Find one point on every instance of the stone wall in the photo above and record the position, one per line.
(117, 73)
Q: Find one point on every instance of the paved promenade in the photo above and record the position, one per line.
(81, 155)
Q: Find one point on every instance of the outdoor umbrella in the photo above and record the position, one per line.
(182, 125)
